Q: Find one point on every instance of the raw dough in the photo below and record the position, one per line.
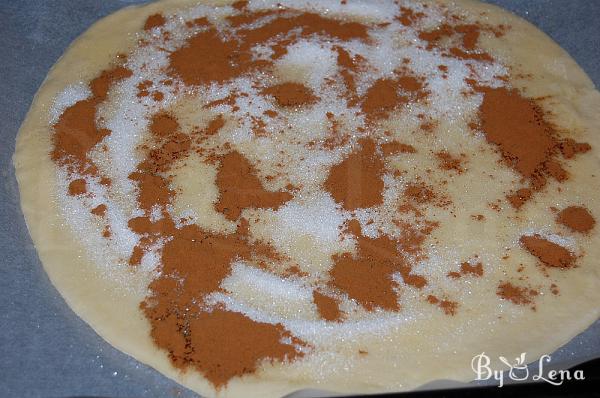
(398, 350)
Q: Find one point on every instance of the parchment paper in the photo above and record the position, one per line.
(45, 349)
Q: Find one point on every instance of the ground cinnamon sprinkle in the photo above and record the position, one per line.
(395, 147)
(449, 162)
(240, 5)
(577, 218)
(517, 126)
(367, 276)
(381, 99)
(549, 253)
(215, 125)
(76, 133)
(520, 132)
(106, 232)
(449, 307)
(419, 193)
(153, 190)
(163, 125)
(194, 261)
(228, 344)
(519, 198)
(386, 95)
(291, 94)
(516, 294)
(468, 35)
(154, 21)
(309, 24)
(77, 187)
(328, 307)
(240, 188)
(143, 88)
(408, 16)
(99, 210)
(569, 148)
(467, 269)
(357, 181)
(207, 58)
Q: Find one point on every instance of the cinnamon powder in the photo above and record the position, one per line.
(549, 253)
(519, 198)
(517, 126)
(76, 132)
(516, 294)
(357, 181)
(240, 188)
(449, 307)
(99, 210)
(395, 147)
(291, 94)
(77, 187)
(467, 269)
(577, 218)
(154, 21)
(194, 263)
(222, 344)
(367, 276)
(328, 307)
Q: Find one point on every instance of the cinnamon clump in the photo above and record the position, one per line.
(419, 193)
(569, 148)
(163, 124)
(194, 263)
(463, 39)
(386, 95)
(328, 307)
(240, 188)
(519, 198)
(549, 253)
(357, 182)
(76, 132)
(291, 94)
(348, 67)
(449, 307)
(577, 218)
(229, 344)
(517, 126)
(308, 24)
(467, 269)
(206, 58)
(77, 187)
(154, 21)
(449, 162)
(99, 210)
(395, 147)
(367, 276)
(516, 294)
(408, 16)
(153, 190)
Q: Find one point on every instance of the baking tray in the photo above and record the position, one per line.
(45, 349)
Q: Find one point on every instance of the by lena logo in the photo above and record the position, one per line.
(518, 370)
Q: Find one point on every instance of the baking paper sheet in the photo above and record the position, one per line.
(45, 349)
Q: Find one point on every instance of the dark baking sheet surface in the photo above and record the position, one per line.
(45, 349)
